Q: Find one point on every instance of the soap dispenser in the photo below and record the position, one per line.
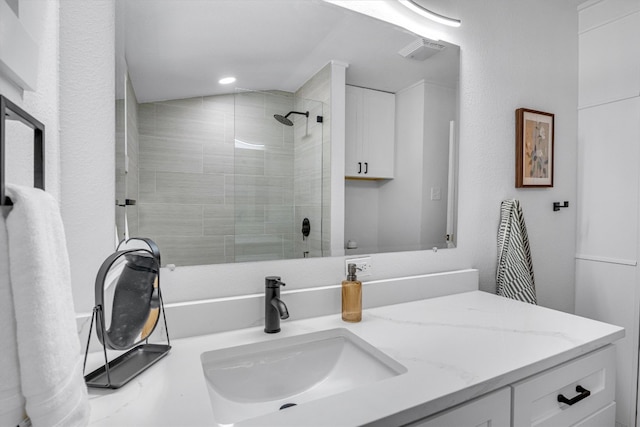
(351, 296)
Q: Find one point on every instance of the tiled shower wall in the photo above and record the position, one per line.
(220, 180)
(312, 173)
(186, 155)
(263, 184)
(216, 178)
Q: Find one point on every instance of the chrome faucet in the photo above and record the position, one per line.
(274, 308)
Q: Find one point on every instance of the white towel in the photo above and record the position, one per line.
(514, 274)
(48, 345)
(11, 400)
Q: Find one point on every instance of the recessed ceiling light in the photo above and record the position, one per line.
(227, 80)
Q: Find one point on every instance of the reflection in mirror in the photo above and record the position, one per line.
(121, 173)
(277, 177)
(217, 178)
(127, 162)
(410, 211)
(126, 289)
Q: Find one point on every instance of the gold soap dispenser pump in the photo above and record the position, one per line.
(351, 296)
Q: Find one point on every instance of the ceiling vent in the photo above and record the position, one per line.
(421, 49)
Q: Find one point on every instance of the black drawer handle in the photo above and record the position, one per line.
(584, 393)
(359, 167)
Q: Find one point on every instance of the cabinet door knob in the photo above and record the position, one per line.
(366, 167)
(584, 393)
(359, 167)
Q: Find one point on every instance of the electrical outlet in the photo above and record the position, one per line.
(436, 193)
(363, 266)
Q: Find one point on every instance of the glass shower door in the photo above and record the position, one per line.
(277, 177)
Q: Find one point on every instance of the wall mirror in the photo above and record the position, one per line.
(214, 174)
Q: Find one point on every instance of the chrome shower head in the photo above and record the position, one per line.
(285, 119)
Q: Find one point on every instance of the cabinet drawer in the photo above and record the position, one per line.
(490, 410)
(535, 399)
(604, 417)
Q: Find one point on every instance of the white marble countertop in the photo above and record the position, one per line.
(455, 348)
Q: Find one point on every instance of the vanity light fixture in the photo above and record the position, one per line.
(227, 80)
(420, 10)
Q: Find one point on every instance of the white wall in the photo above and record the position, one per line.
(399, 200)
(361, 200)
(513, 54)
(439, 111)
(333, 149)
(517, 54)
(87, 139)
(40, 20)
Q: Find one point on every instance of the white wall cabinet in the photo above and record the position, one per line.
(534, 400)
(608, 202)
(608, 74)
(370, 133)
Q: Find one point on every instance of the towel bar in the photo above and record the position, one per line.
(10, 111)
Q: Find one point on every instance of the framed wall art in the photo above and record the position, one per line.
(534, 148)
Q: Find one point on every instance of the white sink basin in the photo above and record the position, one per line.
(256, 379)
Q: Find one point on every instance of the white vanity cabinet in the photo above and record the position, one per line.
(471, 359)
(534, 400)
(588, 382)
(370, 133)
(490, 410)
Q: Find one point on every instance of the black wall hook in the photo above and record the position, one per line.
(557, 205)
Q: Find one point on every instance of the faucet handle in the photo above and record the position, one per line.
(273, 282)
